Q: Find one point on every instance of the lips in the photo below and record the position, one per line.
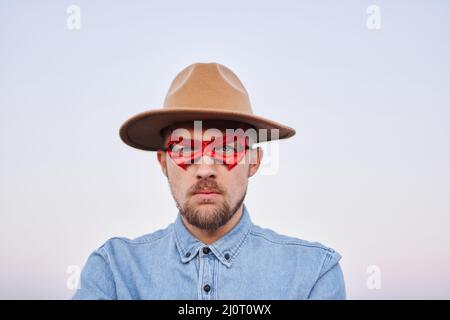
(207, 192)
(206, 196)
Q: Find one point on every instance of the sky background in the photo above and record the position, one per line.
(368, 172)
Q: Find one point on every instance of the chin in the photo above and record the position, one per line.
(206, 206)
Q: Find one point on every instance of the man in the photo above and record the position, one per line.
(204, 138)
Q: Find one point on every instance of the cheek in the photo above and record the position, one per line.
(237, 180)
(241, 170)
(245, 161)
(176, 179)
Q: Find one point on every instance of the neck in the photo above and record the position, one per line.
(210, 236)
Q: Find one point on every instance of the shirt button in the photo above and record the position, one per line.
(206, 250)
(187, 255)
(227, 256)
(207, 287)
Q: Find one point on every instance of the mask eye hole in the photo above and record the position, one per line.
(230, 147)
(226, 149)
(181, 149)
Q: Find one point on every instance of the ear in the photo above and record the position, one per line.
(162, 159)
(255, 160)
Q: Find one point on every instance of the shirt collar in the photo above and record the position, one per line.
(226, 248)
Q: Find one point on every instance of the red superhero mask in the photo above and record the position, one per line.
(227, 149)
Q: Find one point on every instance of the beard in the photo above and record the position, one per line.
(209, 215)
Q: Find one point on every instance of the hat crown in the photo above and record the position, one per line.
(201, 91)
(208, 86)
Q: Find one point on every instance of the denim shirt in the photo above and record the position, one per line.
(248, 262)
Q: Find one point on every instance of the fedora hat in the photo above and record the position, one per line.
(201, 91)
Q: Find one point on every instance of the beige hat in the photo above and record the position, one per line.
(201, 91)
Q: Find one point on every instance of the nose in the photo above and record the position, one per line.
(205, 168)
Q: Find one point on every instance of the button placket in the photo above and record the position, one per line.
(206, 285)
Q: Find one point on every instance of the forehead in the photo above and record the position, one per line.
(205, 129)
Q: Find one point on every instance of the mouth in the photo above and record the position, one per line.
(206, 194)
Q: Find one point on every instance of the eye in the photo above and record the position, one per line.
(183, 149)
(226, 149)
(179, 148)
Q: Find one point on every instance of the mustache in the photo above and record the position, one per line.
(207, 184)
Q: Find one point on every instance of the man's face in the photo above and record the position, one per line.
(207, 192)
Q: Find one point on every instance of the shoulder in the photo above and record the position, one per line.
(117, 244)
(315, 252)
(277, 238)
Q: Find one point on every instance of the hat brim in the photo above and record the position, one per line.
(143, 130)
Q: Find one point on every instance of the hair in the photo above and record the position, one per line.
(164, 132)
